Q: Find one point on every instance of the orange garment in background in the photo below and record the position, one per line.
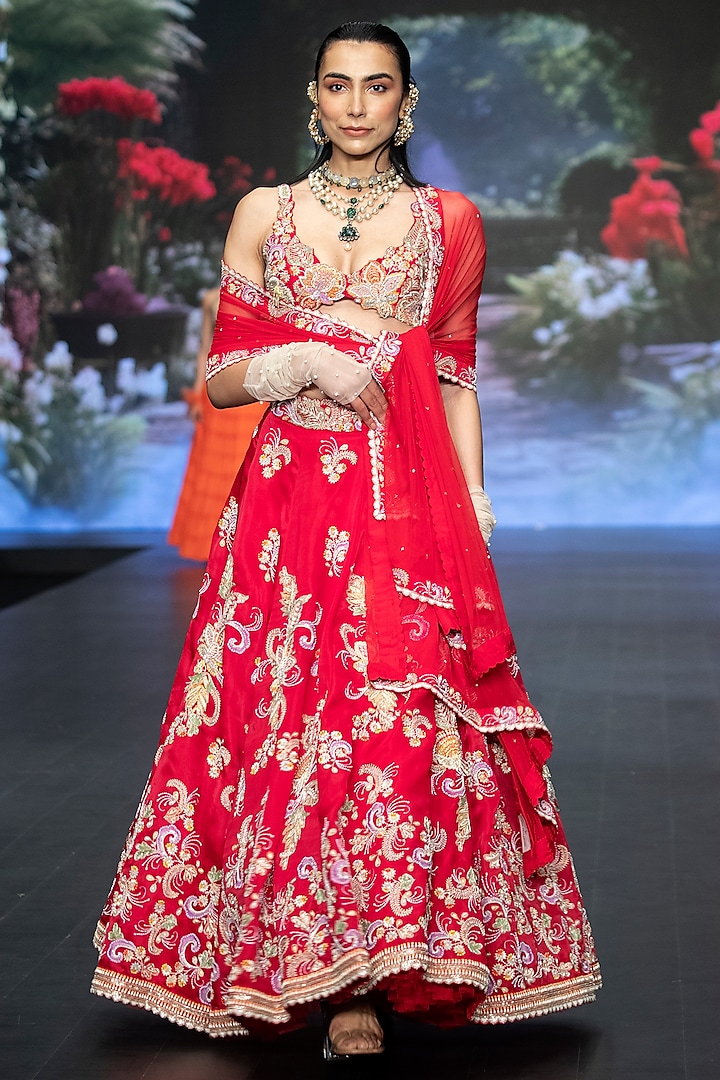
(221, 439)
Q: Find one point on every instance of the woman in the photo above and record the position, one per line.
(218, 448)
(350, 802)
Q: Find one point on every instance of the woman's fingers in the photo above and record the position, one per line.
(371, 405)
(376, 400)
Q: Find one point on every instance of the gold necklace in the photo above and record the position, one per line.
(369, 195)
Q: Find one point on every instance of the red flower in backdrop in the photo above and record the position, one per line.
(234, 179)
(132, 192)
(112, 95)
(703, 143)
(647, 164)
(161, 171)
(234, 176)
(710, 121)
(678, 231)
(648, 214)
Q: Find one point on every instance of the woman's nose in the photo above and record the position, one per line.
(356, 106)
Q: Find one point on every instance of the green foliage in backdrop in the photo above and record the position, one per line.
(52, 41)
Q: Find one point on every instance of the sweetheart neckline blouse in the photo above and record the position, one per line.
(391, 284)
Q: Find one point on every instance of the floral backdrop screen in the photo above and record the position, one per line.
(599, 327)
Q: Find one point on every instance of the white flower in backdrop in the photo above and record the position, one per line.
(10, 355)
(63, 442)
(151, 385)
(543, 335)
(106, 334)
(125, 376)
(38, 392)
(88, 384)
(580, 317)
(59, 359)
(9, 433)
(5, 257)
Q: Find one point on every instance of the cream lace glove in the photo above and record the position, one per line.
(285, 370)
(483, 511)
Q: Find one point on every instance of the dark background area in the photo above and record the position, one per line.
(260, 53)
(30, 565)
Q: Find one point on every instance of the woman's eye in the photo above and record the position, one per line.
(379, 86)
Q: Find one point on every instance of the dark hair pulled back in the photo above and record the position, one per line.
(378, 34)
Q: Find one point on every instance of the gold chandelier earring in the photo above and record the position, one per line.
(406, 127)
(314, 128)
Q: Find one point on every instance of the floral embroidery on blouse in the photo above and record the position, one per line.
(377, 288)
(319, 284)
(392, 285)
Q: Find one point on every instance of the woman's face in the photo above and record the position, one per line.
(360, 95)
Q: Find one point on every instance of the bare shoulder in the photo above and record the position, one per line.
(250, 226)
(254, 214)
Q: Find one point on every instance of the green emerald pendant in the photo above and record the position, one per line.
(348, 233)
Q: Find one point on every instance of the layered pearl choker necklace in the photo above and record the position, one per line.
(367, 196)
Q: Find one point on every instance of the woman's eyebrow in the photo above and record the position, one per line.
(365, 78)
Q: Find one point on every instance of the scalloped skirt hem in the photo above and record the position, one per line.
(261, 1010)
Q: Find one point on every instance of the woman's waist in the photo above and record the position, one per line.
(366, 320)
(312, 409)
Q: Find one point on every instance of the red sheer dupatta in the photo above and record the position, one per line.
(433, 543)
(424, 481)
(452, 323)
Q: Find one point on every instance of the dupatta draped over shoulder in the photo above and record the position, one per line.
(423, 538)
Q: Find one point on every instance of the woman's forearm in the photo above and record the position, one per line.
(226, 388)
(463, 417)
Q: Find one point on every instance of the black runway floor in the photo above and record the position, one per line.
(618, 633)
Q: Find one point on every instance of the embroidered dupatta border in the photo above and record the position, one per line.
(505, 719)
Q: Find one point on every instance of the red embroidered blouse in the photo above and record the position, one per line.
(392, 285)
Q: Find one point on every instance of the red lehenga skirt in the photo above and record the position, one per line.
(306, 834)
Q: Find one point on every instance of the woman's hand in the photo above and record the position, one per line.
(286, 370)
(483, 511)
(371, 405)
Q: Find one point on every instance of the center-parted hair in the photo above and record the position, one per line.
(377, 34)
